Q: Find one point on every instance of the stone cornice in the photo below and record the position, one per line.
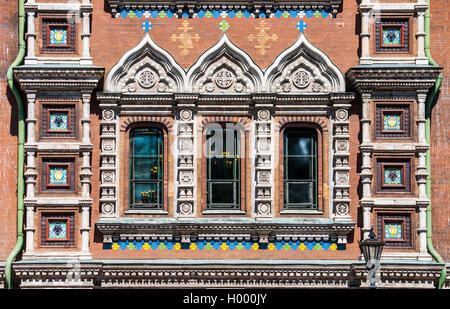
(295, 228)
(58, 77)
(266, 6)
(387, 77)
(222, 273)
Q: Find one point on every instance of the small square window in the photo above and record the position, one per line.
(58, 174)
(393, 175)
(392, 35)
(58, 121)
(58, 35)
(395, 229)
(58, 229)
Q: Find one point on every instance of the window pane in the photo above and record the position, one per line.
(299, 193)
(299, 144)
(222, 193)
(146, 168)
(146, 193)
(299, 168)
(222, 168)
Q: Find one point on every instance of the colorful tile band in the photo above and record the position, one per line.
(224, 245)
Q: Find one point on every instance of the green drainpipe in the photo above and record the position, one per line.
(429, 105)
(20, 150)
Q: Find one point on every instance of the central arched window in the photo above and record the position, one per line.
(300, 168)
(146, 168)
(223, 167)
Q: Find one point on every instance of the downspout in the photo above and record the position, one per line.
(429, 105)
(21, 140)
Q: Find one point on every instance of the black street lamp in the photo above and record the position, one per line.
(371, 249)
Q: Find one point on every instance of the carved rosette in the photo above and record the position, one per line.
(185, 164)
(263, 168)
(223, 76)
(108, 161)
(341, 199)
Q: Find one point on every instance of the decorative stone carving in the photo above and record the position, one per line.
(341, 115)
(224, 78)
(264, 177)
(108, 145)
(303, 68)
(263, 208)
(342, 209)
(185, 208)
(301, 79)
(108, 114)
(108, 208)
(186, 115)
(263, 115)
(146, 78)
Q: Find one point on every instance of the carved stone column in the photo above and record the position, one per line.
(365, 9)
(366, 148)
(264, 165)
(109, 160)
(185, 198)
(341, 137)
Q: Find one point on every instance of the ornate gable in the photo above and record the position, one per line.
(225, 68)
(303, 68)
(146, 68)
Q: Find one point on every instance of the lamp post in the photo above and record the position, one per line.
(371, 249)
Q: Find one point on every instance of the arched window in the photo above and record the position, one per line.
(300, 168)
(223, 166)
(146, 168)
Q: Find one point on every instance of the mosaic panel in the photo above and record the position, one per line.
(393, 176)
(58, 229)
(392, 121)
(224, 245)
(58, 36)
(393, 230)
(59, 121)
(199, 13)
(58, 175)
(392, 35)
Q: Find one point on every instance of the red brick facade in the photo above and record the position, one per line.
(187, 40)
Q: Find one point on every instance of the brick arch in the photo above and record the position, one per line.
(310, 119)
(216, 119)
(136, 119)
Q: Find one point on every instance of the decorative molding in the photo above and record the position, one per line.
(303, 68)
(266, 7)
(146, 68)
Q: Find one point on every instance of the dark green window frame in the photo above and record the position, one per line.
(300, 168)
(223, 168)
(146, 170)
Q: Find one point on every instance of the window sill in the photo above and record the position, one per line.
(146, 212)
(301, 212)
(223, 212)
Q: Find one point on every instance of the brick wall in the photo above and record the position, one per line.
(8, 130)
(440, 147)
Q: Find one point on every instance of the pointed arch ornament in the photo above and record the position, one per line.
(303, 68)
(146, 68)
